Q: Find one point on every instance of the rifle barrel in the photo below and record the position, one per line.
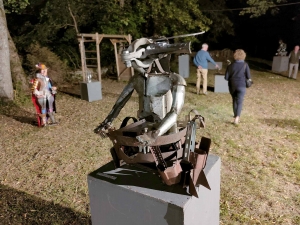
(179, 36)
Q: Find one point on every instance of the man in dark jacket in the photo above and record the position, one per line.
(294, 62)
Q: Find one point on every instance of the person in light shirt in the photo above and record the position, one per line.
(201, 62)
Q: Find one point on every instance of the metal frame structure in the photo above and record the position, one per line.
(115, 39)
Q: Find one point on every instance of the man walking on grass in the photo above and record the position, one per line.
(294, 57)
(200, 61)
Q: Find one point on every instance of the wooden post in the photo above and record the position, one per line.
(83, 63)
(98, 56)
(114, 42)
(129, 42)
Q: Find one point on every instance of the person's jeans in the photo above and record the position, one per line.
(201, 73)
(237, 94)
(295, 66)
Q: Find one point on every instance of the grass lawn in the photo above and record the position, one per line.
(43, 172)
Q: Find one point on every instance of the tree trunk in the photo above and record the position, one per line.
(17, 73)
(6, 88)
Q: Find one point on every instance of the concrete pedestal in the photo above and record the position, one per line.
(135, 195)
(280, 63)
(184, 65)
(91, 91)
(221, 85)
(213, 67)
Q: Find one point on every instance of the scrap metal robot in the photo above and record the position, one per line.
(156, 137)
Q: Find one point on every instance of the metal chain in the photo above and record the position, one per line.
(155, 150)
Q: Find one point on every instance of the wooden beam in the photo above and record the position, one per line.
(89, 41)
(117, 41)
(129, 39)
(83, 63)
(117, 61)
(105, 36)
(98, 56)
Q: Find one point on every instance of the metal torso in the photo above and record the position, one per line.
(154, 94)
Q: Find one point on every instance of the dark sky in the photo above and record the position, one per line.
(259, 36)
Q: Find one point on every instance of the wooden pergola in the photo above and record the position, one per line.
(97, 38)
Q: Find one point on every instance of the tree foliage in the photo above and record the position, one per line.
(15, 6)
(260, 7)
(56, 23)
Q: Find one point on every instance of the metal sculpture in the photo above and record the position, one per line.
(281, 51)
(156, 136)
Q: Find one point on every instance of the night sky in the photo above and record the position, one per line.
(259, 36)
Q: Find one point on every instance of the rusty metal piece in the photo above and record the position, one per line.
(118, 135)
(202, 180)
(198, 159)
(145, 158)
(189, 158)
(171, 175)
(148, 137)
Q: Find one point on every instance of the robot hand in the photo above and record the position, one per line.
(102, 129)
(148, 138)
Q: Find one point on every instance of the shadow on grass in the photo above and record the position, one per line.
(283, 123)
(72, 90)
(259, 66)
(12, 110)
(209, 88)
(18, 207)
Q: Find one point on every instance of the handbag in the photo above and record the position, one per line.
(249, 82)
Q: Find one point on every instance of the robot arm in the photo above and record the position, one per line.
(121, 101)
(178, 94)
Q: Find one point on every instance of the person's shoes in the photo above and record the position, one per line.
(205, 93)
(198, 92)
(236, 120)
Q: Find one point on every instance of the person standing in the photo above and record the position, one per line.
(44, 93)
(236, 74)
(201, 62)
(294, 57)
